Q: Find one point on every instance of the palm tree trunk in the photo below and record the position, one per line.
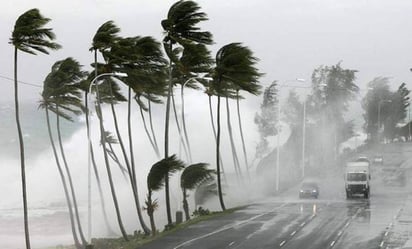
(69, 177)
(169, 93)
(241, 134)
(185, 205)
(106, 160)
(96, 172)
(22, 158)
(150, 212)
(184, 123)
(219, 184)
(232, 143)
(182, 141)
(154, 146)
(136, 192)
(214, 134)
(149, 105)
(66, 191)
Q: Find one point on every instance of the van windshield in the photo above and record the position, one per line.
(356, 177)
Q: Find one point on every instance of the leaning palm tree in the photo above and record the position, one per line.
(65, 99)
(61, 96)
(193, 176)
(29, 36)
(142, 59)
(103, 40)
(180, 27)
(156, 179)
(234, 64)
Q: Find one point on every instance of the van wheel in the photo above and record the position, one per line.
(366, 194)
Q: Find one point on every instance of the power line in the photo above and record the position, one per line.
(22, 82)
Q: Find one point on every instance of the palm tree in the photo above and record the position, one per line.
(235, 64)
(180, 28)
(190, 69)
(29, 36)
(65, 100)
(61, 96)
(156, 179)
(142, 59)
(103, 40)
(193, 176)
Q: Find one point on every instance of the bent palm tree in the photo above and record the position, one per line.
(156, 180)
(180, 28)
(61, 95)
(29, 36)
(103, 40)
(193, 176)
(235, 64)
(142, 59)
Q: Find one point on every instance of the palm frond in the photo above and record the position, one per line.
(196, 174)
(29, 36)
(159, 171)
(105, 36)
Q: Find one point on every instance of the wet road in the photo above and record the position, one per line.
(288, 222)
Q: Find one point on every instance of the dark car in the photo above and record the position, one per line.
(309, 189)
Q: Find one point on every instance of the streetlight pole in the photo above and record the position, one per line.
(379, 115)
(303, 138)
(89, 165)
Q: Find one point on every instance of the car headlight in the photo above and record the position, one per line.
(314, 191)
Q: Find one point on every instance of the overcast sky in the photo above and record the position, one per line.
(290, 38)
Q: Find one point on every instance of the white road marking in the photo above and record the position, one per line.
(381, 244)
(231, 243)
(333, 243)
(340, 233)
(386, 234)
(304, 223)
(281, 244)
(227, 227)
(293, 233)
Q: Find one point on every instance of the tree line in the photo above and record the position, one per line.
(325, 118)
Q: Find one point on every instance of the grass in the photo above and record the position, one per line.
(137, 240)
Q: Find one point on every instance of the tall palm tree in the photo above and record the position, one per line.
(156, 179)
(235, 64)
(180, 27)
(65, 76)
(29, 36)
(62, 96)
(193, 176)
(142, 59)
(103, 40)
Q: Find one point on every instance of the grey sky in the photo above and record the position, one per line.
(290, 38)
